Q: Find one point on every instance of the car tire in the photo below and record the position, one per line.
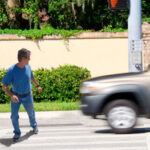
(121, 115)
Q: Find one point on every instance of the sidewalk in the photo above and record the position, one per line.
(45, 114)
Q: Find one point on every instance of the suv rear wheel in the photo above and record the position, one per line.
(121, 115)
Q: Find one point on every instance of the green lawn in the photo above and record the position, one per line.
(46, 106)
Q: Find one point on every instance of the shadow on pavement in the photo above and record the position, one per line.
(135, 131)
(9, 141)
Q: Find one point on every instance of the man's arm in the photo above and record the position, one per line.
(37, 85)
(9, 93)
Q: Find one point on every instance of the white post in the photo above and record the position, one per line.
(135, 36)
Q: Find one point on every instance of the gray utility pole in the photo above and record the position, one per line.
(135, 36)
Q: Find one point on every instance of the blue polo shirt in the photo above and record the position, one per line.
(19, 78)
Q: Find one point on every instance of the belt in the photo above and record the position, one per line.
(21, 95)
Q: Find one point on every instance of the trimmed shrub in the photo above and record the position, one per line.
(3, 97)
(58, 84)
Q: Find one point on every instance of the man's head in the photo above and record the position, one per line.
(24, 55)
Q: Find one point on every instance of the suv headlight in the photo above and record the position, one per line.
(89, 87)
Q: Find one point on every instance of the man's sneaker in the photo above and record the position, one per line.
(35, 130)
(16, 137)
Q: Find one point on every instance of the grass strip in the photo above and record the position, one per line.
(45, 106)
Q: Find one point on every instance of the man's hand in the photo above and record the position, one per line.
(40, 89)
(9, 93)
(14, 98)
(37, 85)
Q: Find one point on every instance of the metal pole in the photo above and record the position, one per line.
(135, 36)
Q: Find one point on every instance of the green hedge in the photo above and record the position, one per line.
(58, 84)
(3, 97)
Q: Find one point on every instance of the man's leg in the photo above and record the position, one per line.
(14, 116)
(28, 105)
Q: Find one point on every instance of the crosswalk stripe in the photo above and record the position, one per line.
(74, 137)
(74, 131)
(89, 143)
(81, 148)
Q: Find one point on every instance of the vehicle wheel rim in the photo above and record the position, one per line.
(122, 117)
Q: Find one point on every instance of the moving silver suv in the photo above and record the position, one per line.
(121, 98)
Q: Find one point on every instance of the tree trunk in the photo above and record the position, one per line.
(12, 4)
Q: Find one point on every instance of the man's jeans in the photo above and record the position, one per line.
(28, 105)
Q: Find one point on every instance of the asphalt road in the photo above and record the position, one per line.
(72, 131)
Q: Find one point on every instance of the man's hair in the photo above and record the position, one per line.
(23, 53)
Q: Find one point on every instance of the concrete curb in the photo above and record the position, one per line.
(45, 114)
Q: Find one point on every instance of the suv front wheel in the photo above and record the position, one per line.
(121, 115)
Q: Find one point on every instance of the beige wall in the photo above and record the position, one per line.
(100, 56)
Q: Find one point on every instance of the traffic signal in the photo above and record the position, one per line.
(118, 4)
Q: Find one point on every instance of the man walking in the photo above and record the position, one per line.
(20, 76)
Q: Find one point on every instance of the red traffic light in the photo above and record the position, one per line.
(118, 4)
(113, 3)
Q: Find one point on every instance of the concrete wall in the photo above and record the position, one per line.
(146, 44)
(101, 53)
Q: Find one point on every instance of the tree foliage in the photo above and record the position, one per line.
(64, 14)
